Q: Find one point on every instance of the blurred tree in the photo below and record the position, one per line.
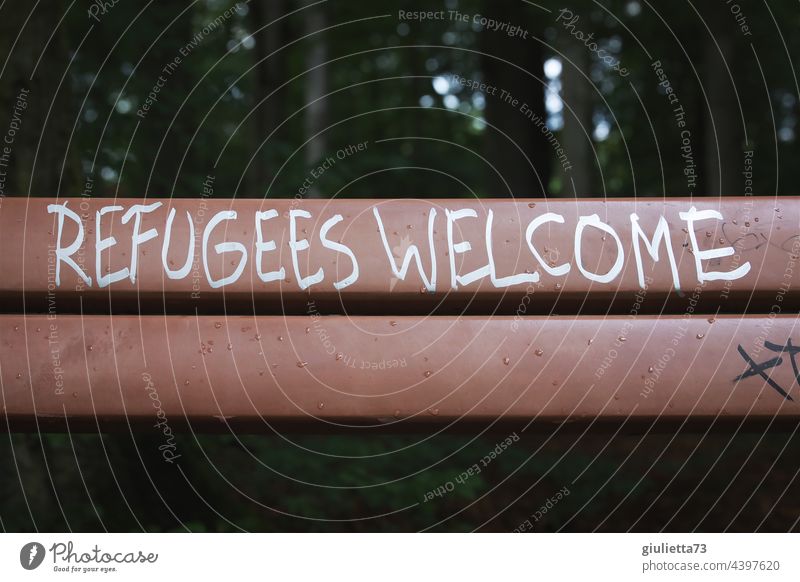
(36, 65)
(316, 86)
(515, 145)
(578, 96)
(238, 90)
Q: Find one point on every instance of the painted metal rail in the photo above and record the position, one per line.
(363, 313)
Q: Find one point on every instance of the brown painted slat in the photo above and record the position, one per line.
(333, 370)
(765, 234)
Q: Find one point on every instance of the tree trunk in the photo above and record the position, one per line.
(576, 136)
(29, 90)
(516, 137)
(724, 137)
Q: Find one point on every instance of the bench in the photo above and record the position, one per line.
(327, 314)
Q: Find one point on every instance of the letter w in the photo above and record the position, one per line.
(412, 252)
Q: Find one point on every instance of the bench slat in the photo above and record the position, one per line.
(333, 371)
